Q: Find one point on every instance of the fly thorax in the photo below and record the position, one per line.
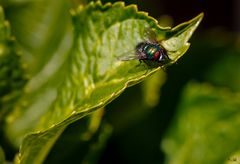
(150, 50)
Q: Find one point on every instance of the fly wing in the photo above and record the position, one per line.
(150, 35)
(128, 57)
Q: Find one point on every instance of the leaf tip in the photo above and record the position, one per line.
(199, 17)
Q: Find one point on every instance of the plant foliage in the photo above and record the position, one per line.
(72, 73)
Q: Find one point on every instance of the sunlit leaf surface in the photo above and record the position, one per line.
(69, 86)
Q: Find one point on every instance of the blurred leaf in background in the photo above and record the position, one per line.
(205, 127)
(2, 156)
(12, 77)
(40, 34)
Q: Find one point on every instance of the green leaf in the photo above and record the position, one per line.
(205, 127)
(151, 89)
(12, 75)
(2, 156)
(89, 77)
(40, 33)
(234, 158)
(177, 38)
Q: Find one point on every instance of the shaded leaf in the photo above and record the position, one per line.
(2, 156)
(41, 34)
(12, 75)
(205, 127)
